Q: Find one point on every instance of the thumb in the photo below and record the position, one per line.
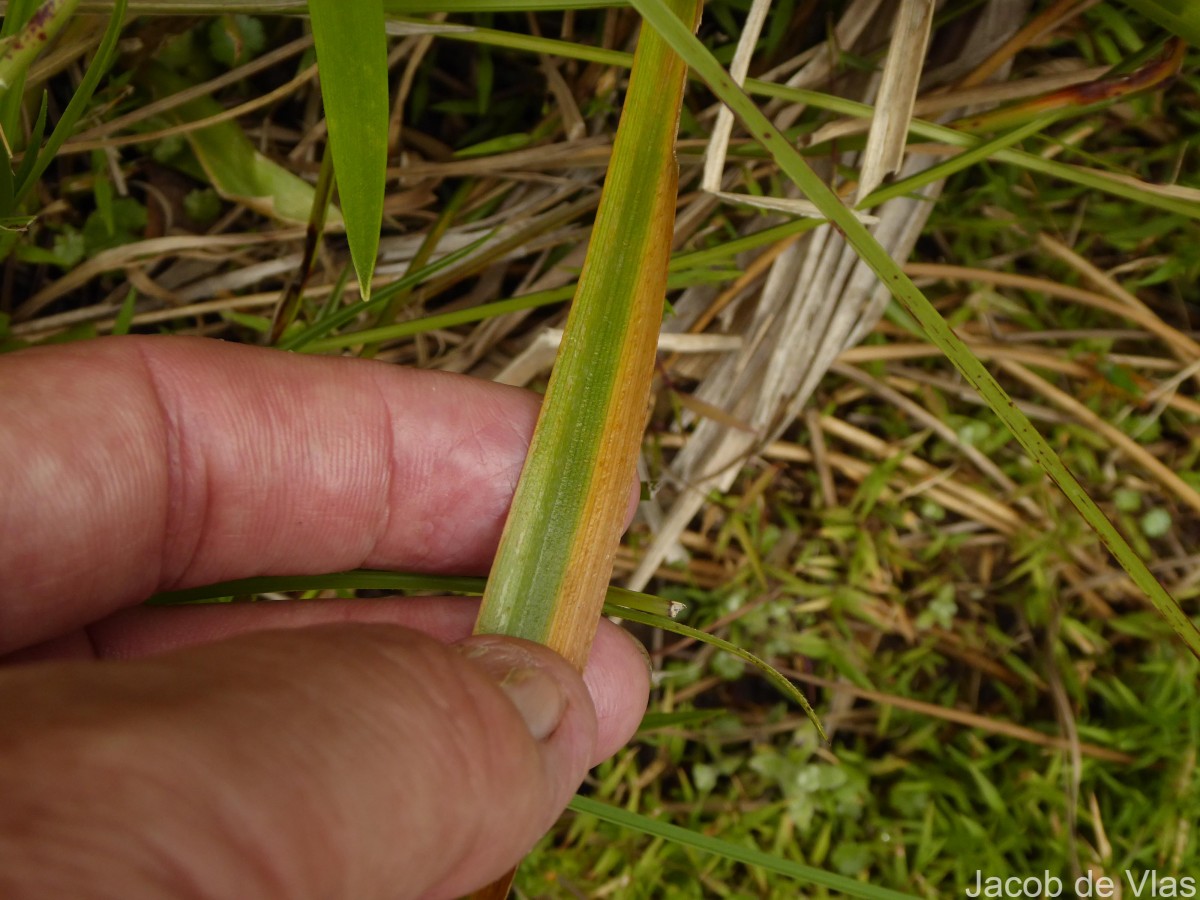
(335, 761)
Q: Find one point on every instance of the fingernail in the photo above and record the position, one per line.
(535, 693)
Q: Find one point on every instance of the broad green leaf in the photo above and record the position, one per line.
(680, 37)
(234, 167)
(352, 58)
(556, 553)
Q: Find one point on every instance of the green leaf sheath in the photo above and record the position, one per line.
(32, 171)
(351, 48)
(555, 557)
(657, 13)
(18, 51)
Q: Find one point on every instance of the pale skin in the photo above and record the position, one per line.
(353, 749)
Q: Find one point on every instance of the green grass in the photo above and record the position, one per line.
(999, 695)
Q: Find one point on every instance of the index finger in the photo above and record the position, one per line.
(134, 465)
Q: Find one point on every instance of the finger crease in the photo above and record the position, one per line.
(93, 644)
(174, 515)
(385, 517)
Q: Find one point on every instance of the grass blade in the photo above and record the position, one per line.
(963, 160)
(1113, 184)
(352, 54)
(428, 245)
(486, 311)
(1181, 17)
(293, 292)
(773, 675)
(35, 138)
(79, 100)
(748, 855)
(410, 279)
(618, 601)
(645, 609)
(915, 303)
(1116, 185)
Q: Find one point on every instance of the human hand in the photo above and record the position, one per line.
(323, 749)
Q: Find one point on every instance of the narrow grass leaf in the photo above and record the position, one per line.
(293, 293)
(7, 183)
(1181, 17)
(918, 306)
(361, 580)
(772, 674)
(347, 314)
(1114, 184)
(684, 718)
(25, 170)
(750, 856)
(125, 314)
(78, 103)
(738, 245)
(618, 601)
(351, 45)
(1117, 185)
(966, 159)
(433, 236)
(489, 310)
(16, 14)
